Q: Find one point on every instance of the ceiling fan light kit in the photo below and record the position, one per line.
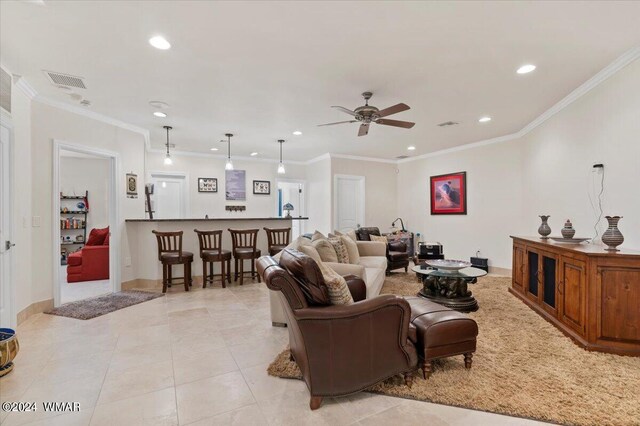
(368, 114)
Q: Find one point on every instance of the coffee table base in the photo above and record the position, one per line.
(449, 291)
(461, 304)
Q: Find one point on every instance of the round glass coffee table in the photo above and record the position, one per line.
(449, 288)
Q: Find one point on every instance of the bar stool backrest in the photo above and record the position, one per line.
(244, 238)
(169, 242)
(278, 236)
(210, 241)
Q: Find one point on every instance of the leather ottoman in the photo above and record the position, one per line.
(440, 332)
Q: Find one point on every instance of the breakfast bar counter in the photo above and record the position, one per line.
(143, 250)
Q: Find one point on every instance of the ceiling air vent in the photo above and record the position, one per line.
(5, 90)
(58, 79)
(448, 123)
(401, 157)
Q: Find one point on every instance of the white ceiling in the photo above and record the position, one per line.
(263, 69)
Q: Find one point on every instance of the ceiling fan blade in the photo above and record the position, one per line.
(393, 110)
(364, 129)
(343, 109)
(396, 123)
(337, 122)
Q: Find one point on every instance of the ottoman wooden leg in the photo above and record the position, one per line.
(427, 369)
(315, 402)
(468, 359)
(408, 379)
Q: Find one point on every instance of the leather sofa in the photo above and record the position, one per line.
(397, 251)
(370, 268)
(330, 342)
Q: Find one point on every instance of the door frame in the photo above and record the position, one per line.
(187, 189)
(362, 187)
(114, 212)
(9, 319)
(301, 223)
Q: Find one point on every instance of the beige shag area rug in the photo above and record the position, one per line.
(523, 366)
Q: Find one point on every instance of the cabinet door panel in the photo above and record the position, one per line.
(518, 267)
(532, 275)
(619, 315)
(574, 294)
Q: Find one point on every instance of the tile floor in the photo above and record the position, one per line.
(196, 358)
(70, 292)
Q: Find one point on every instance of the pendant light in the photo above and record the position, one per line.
(167, 159)
(281, 170)
(229, 164)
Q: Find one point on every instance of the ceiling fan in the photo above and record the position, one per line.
(368, 114)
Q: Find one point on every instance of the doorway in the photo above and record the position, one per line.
(348, 201)
(7, 314)
(169, 196)
(292, 192)
(86, 243)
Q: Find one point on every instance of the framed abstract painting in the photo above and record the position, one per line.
(449, 193)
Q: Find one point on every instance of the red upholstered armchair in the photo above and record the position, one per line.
(92, 262)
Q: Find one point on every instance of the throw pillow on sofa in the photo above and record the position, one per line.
(311, 252)
(325, 250)
(340, 248)
(317, 235)
(97, 236)
(352, 249)
(339, 293)
(378, 238)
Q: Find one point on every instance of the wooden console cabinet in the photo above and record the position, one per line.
(590, 294)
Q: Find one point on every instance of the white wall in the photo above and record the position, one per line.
(601, 127)
(380, 189)
(319, 200)
(213, 204)
(49, 123)
(548, 171)
(78, 175)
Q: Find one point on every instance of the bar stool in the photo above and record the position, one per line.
(170, 253)
(277, 239)
(244, 248)
(211, 252)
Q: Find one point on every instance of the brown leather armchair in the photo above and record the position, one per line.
(397, 251)
(339, 349)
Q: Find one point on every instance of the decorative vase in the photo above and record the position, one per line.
(568, 231)
(544, 228)
(612, 237)
(9, 348)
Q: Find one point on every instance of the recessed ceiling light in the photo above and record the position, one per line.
(159, 42)
(525, 69)
(214, 149)
(484, 119)
(411, 148)
(253, 154)
(160, 114)
(297, 133)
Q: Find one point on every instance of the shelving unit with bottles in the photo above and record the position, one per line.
(72, 218)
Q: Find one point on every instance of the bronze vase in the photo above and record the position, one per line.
(544, 228)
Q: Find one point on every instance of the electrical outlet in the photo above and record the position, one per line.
(127, 261)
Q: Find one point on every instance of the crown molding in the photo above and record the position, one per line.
(223, 157)
(24, 86)
(359, 158)
(319, 158)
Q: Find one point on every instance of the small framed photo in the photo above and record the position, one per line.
(207, 185)
(261, 187)
(449, 193)
(132, 185)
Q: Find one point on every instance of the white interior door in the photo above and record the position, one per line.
(349, 201)
(7, 318)
(169, 197)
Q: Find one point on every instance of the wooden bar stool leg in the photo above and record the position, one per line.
(253, 269)
(241, 271)
(169, 275)
(164, 278)
(223, 273)
(254, 263)
(211, 274)
(229, 270)
(186, 276)
(235, 270)
(204, 274)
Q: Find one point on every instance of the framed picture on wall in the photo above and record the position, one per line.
(207, 185)
(261, 187)
(449, 193)
(235, 185)
(132, 185)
